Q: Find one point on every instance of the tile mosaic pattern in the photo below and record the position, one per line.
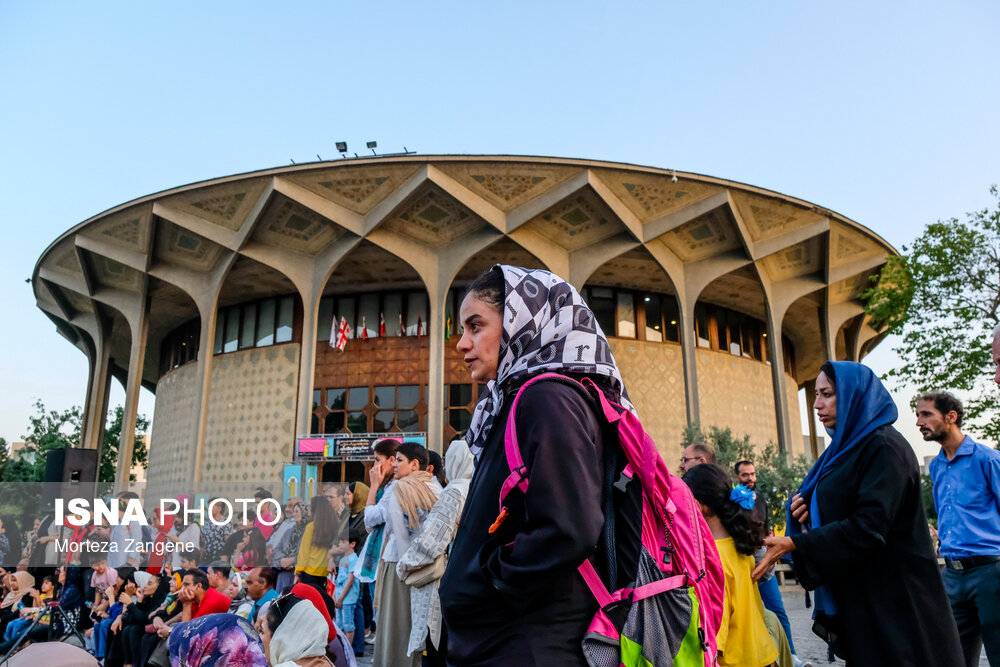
(251, 415)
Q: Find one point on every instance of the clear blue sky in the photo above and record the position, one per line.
(885, 112)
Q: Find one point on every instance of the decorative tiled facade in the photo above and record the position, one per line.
(737, 393)
(654, 379)
(175, 421)
(251, 415)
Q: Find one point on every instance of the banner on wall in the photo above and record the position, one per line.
(291, 484)
(347, 446)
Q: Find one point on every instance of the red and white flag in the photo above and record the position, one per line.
(341, 337)
(402, 329)
(381, 325)
(364, 329)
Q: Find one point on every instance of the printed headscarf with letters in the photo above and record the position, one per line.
(547, 327)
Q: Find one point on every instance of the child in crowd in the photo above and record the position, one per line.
(743, 638)
(28, 614)
(346, 594)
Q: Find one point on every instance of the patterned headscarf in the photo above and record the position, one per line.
(547, 327)
(216, 639)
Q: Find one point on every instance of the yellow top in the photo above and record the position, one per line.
(311, 559)
(743, 638)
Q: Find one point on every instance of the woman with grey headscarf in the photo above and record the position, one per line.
(430, 544)
(511, 594)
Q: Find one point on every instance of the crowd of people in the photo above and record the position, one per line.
(420, 563)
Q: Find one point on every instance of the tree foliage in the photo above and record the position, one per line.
(112, 436)
(777, 479)
(54, 429)
(942, 296)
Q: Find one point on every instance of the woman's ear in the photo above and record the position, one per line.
(705, 511)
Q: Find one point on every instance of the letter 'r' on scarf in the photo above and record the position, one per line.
(863, 405)
(547, 327)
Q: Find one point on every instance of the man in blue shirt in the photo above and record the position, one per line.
(260, 588)
(966, 478)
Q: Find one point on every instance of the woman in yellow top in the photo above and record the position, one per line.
(311, 564)
(743, 638)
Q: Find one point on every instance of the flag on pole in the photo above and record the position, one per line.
(341, 335)
(402, 329)
(420, 327)
(381, 324)
(364, 329)
(447, 326)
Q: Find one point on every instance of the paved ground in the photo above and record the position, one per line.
(809, 646)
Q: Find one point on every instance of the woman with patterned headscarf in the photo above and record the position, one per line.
(514, 596)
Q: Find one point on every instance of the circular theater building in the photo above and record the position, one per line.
(720, 300)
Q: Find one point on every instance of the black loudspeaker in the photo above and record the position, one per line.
(70, 466)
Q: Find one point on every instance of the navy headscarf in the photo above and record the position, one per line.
(863, 405)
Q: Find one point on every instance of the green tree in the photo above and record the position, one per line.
(942, 297)
(112, 437)
(48, 429)
(777, 479)
(53, 429)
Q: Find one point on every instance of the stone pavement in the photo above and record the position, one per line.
(809, 646)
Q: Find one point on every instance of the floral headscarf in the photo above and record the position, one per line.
(547, 326)
(223, 640)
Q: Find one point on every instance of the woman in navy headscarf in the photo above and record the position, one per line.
(858, 534)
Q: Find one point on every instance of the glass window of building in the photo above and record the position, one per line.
(654, 317)
(392, 310)
(416, 314)
(602, 302)
(249, 324)
(232, 337)
(286, 318)
(625, 314)
(367, 316)
(324, 321)
(219, 333)
(345, 311)
(701, 324)
(336, 403)
(671, 319)
(458, 415)
(265, 323)
(751, 339)
(407, 397)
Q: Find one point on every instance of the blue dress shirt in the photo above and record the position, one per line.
(967, 498)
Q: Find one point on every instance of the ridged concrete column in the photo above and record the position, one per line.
(776, 355)
(689, 361)
(95, 408)
(307, 359)
(435, 370)
(206, 354)
(810, 388)
(139, 326)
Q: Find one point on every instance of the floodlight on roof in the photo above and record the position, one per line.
(371, 145)
(341, 146)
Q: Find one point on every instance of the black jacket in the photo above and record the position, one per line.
(515, 597)
(874, 554)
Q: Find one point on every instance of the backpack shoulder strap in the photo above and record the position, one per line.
(518, 477)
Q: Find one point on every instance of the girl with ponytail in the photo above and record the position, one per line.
(743, 638)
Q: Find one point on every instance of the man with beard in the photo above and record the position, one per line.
(966, 477)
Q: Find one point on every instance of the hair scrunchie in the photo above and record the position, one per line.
(743, 496)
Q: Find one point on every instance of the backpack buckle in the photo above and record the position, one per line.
(617, 611)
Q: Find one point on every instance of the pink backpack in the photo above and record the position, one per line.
(670, 612)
